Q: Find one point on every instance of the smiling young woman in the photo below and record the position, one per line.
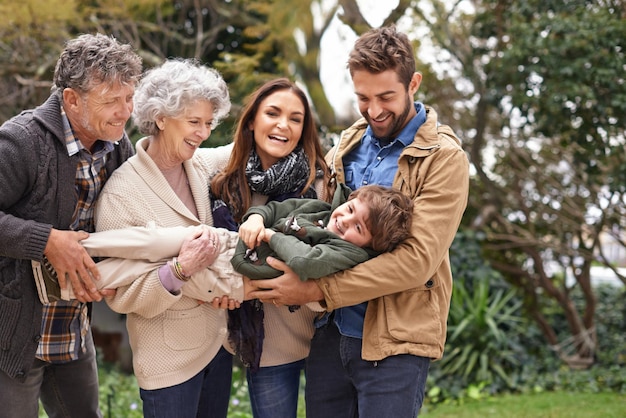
(276, 155)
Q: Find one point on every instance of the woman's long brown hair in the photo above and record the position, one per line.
(231, 184)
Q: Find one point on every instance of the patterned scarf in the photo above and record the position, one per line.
(281, 181)
(272, 182)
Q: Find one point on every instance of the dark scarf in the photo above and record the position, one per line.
(284, 180)
(272, 182)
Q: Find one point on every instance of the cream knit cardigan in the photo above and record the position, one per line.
(172, 337)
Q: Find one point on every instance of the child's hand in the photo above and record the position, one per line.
(252, 231)
(267, 234)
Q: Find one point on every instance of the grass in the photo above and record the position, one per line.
(119, 397)
(540, 405)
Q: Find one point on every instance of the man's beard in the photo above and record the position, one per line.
(397, 123)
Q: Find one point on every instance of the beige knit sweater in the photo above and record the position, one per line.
(172, 337)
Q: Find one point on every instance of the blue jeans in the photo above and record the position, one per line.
(340, 384)
(207, 394)
(67, 390)
(274, 390)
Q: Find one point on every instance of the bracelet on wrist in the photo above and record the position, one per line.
(179, 272)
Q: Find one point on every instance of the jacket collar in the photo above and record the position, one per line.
(426, 139)
(148, 170)
(48, 114)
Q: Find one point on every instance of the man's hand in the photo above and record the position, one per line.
(71, 261)
(107, 293)
(287, 289)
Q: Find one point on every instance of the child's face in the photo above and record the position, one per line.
(348, 221)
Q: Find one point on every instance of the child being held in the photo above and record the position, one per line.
(314, 238)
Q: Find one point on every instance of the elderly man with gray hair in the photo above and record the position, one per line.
(55, 161)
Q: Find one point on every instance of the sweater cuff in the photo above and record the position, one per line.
(168, 280)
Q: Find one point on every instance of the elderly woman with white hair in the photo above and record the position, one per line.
(178, 359)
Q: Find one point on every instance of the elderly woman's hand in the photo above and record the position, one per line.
(199, 251)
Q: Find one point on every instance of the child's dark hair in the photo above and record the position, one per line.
(391, 213)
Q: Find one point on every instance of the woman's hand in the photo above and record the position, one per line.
(199, 251)
(225, 303)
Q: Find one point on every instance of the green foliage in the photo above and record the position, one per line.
(257, 55)
(481, 320)
(239, 400)
(562, 66)
(548, 147)
(119, 393)
(596, 380)
(32, 34)
(543, 371)
(609, 320)
(485, 329)
(485, 318)
(611, 325)
(28, 15)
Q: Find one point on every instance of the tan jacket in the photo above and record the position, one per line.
(409, 289)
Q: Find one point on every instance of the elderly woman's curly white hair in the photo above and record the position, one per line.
(172, 87)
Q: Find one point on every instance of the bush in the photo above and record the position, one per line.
(482, 349)
(492, 349)
(119, 392)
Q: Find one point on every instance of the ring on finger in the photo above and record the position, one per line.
(274, 302)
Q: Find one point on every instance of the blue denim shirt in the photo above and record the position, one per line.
(371, 162)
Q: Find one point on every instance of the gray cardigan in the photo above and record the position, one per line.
(37, 180)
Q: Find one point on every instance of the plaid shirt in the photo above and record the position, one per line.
(65, 323)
